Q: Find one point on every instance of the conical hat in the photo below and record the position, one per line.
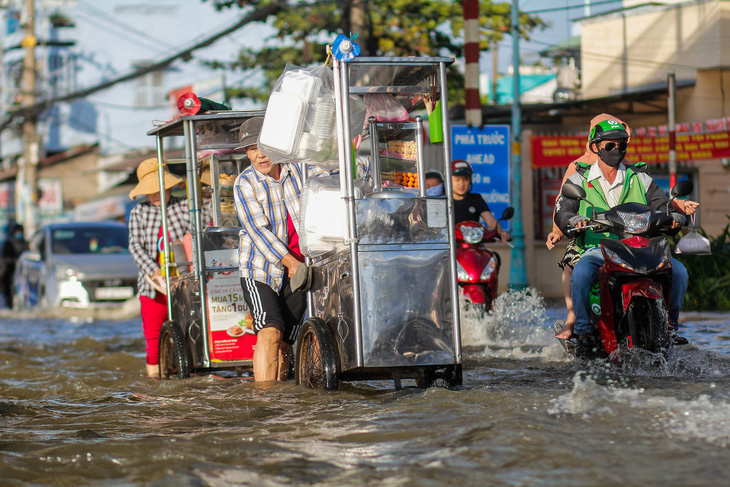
(149, 179)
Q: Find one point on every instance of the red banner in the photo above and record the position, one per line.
(558, 151)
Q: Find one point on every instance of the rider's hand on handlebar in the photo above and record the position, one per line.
(686, 206)
(578, 223)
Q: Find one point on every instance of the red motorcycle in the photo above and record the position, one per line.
(629, 301)
(477, 265)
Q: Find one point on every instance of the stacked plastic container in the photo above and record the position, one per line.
(299, 121)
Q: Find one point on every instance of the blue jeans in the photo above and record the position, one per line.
(585, 274)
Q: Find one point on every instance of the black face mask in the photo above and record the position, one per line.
(614, 155)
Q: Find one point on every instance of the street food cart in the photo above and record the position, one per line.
(209, 326)
(382, 300)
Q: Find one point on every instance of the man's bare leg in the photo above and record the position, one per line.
(266, 355)
(567, 330)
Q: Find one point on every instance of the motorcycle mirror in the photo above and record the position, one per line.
(573, 191)
(682, 188)
(508, 213)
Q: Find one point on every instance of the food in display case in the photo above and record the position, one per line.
(225, 183)
(404, 149)
(401, 178)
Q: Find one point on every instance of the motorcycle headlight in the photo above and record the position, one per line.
(635, 222)
(666, 258)
(461, 273)
(614, 257)
(65, 273)
(489, 269)
(472, 235)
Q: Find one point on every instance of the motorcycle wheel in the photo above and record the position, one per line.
(174, 354)
(648, 324)
(317, 362)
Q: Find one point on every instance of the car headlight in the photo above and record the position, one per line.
(472, 235)
(489, 269)
(461, 273)
(614, 257)
(66, 273)
(635, 222)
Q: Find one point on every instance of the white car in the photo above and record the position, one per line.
(77, 265)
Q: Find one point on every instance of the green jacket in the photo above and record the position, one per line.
(635, 187)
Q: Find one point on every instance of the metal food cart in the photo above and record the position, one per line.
(208, 325)
(383, 302)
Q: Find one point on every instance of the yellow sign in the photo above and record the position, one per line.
(29, 41)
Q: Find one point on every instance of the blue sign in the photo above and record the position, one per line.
(488, 151)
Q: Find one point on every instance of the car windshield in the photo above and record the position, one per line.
(90, 240)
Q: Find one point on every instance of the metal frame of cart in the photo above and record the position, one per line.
(188, 340)
(384, 304)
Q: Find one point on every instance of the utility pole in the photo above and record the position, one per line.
(672, 123)
(518, 273)
(26, 186)
(471, 58)
(495, 65)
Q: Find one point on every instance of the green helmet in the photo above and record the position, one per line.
(608, 129)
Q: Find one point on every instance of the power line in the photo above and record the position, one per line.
(121, 29)
(186, 54)
(116, 22)
(569, 7)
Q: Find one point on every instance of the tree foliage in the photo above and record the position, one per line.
(302, 28)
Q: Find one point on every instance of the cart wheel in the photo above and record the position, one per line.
(454, 376)
(449, 377)
(317, 363)
(174, 355)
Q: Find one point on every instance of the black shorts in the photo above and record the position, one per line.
(571, 257)
(283, 310)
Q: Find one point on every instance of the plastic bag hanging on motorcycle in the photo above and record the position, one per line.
(693, 243)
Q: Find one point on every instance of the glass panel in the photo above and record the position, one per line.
(219, 134)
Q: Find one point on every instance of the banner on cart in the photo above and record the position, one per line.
(487, 149)
(230, 322)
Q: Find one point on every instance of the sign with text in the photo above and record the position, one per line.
(558, 150)
(231, 326)
(487, 149)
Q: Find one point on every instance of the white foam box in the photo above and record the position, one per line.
(283, 122)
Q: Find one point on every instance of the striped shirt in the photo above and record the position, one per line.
(262, 204)
(145, 221)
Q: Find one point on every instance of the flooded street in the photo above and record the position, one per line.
(75, 409)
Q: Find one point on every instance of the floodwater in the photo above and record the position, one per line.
(75, 409)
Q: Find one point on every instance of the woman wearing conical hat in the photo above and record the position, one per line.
(145, 244)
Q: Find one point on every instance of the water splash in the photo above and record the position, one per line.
(517, 325)
(703, 417)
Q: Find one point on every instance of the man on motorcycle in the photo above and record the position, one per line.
(470, 206)
(609, 183)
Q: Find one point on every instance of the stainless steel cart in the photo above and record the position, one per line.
(383, 303)
(208, 325)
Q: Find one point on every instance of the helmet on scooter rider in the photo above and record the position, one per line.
(459, 167)
(608, 129)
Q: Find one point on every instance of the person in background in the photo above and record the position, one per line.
(14, 246)
(266, 196)
(434, 183)
(146, 244)
(470, 206)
